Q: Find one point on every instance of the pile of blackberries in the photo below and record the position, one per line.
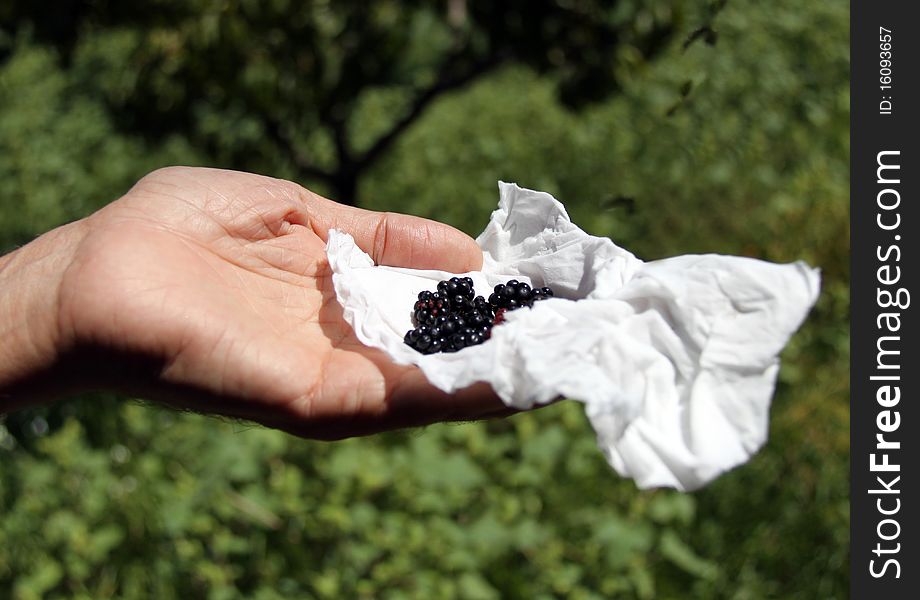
(453, 318)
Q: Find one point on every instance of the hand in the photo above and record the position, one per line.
(210, 290)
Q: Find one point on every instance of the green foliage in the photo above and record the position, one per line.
(457, 512)
(739, 147)
(269, 84)
(61, 157)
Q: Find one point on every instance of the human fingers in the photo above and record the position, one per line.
(400, 240)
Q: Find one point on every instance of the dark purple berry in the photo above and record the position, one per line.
(454, 317)
(523, 291)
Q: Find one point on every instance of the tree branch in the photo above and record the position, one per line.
(340, 139)
(447, 80)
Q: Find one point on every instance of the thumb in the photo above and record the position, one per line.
(399, 240)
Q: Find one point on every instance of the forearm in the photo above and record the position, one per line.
(30, 338)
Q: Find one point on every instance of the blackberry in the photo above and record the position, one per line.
(516, 294)
(523, 293)
(460, 302)
(423, 342)
(454, 317)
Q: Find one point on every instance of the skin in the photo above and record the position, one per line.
(209, 290)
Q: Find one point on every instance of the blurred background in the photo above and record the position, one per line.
(671, 127)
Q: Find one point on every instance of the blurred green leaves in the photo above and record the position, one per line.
(255, 82)
(173, 513)
(62, 156)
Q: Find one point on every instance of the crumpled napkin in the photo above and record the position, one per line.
(675, 359)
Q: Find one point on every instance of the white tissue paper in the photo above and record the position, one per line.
(675, 360)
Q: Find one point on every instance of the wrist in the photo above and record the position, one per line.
(31, 341)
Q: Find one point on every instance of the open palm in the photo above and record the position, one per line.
(210, 290)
